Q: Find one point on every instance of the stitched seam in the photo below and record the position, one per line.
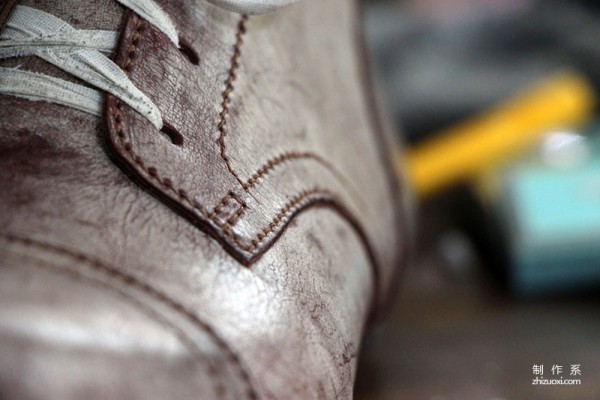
(130, 280)
(152, 172)
(213, 374)
(222, 126)
(283, 158)
(168, 184)
(128, 147)
(233, 219)
(294, 202)
(299, 155)
(181, 335)
(224, 202)
(231, 77)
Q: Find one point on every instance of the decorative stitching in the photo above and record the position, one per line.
(151, 171)
(222, 125)
(127, 146)
(225, 202)
(226, 227)
(213, 374)
(132, 281)
(231, 77)
(299, 155)
(295, 202)
(222, 204)
(233, 219)
(284, 157)
(116, 111)
(168, 184)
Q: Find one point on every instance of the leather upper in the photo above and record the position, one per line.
(247, 242)
(270, 137)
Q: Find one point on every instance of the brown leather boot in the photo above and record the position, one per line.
(195, 203)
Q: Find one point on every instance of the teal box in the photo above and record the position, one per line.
(552, 225)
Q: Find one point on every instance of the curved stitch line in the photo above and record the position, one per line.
(132, 281)
(222, 127)
(299, 155)
(127, 146)
(151, 313)
(182, 194)
(295, 202)
(282, 158)
(167, 184)
(231, 77)
(223, 203)
(152, 172)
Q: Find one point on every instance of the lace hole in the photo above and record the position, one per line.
(172, 134)
(188, 51)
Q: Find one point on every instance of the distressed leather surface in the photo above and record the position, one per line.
(240, 263)
(271, 136)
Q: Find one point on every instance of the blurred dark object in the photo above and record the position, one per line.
(439, 70)
(455, 334)
(592, 5)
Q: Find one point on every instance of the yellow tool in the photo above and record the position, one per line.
(459, 153)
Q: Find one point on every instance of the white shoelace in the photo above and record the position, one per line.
(252, 6)
(80, 52)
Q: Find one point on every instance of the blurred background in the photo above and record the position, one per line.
(496, 101)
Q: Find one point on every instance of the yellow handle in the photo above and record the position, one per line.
(459, 153)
